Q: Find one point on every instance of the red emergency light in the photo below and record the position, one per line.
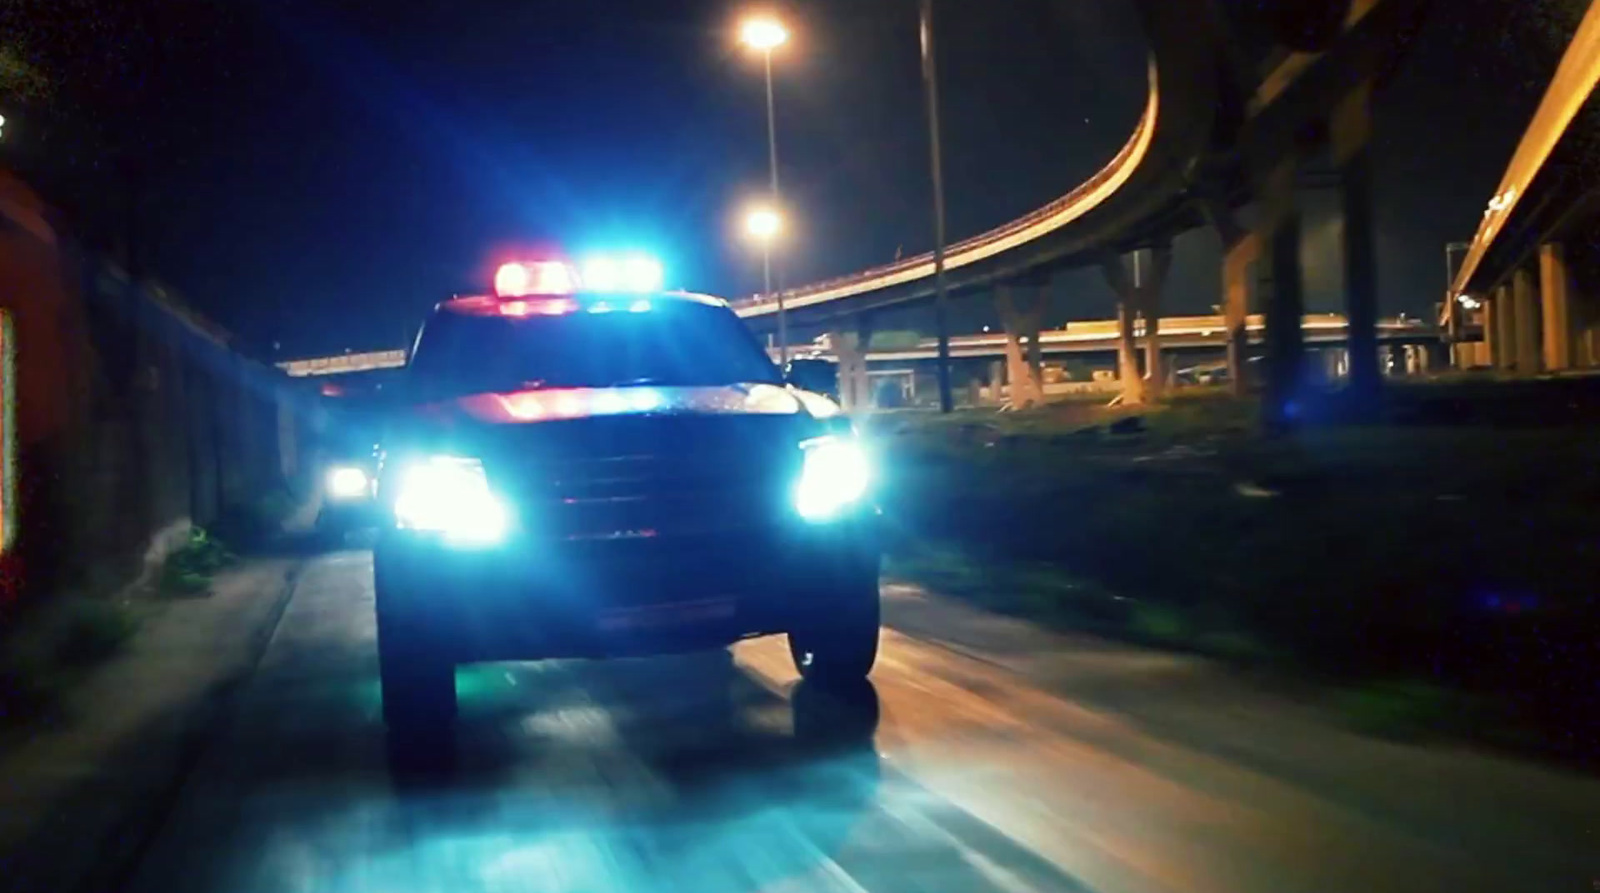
(519, 279)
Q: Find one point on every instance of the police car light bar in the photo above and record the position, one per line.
(628, 273)
(522, 278)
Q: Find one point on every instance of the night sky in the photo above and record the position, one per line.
(317, 174)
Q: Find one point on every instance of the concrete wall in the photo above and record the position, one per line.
(133, 417)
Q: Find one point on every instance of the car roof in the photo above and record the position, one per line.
(472, 303)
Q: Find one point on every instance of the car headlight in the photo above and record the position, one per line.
(450, 496)
(835, 476)
(347, 482)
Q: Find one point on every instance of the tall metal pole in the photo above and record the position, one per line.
(772, 162)
(930, 81)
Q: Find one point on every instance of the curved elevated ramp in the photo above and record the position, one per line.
(1147, 191)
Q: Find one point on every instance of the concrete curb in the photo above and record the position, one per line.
(81, 802)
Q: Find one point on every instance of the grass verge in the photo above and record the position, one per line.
(1424, 551)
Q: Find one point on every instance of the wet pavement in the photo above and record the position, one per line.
(992, 758)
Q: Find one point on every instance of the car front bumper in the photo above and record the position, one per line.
(530, 599)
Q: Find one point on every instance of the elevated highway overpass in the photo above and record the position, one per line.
(984, 355)
(1223, 126)
(1524, 299)
(1180, 333)
(986, 360)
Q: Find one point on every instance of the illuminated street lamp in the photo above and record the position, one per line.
(763, 223)
(764, 34)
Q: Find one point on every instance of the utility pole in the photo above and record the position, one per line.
(930, 82)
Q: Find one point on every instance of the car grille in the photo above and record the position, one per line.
(646, 496)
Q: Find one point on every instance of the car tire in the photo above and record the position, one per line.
(418, 681)
(839, 647)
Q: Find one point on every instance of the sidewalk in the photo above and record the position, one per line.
(79, 797)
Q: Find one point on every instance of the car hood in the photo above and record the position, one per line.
(703, 422)
(554, 405)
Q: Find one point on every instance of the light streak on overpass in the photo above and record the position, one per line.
(344, 364)
(1180, 332)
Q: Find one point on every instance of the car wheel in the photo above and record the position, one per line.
(840, 647)
(419, 682)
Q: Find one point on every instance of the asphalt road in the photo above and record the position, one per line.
(986, 756)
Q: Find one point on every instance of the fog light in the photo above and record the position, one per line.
(348, 482)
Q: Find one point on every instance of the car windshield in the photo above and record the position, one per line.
(675, 343)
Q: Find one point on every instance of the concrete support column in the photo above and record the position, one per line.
(864, 395)
(1332, 363)
(1236, 265)
(1491, 337)
(1127, 358)
(1525, 298)
(1285, 303)
(1505, 330)
(1155, 372)
(1556, 299)
(1035, 348)
(845, 352)
(863, 345)
(1351, 130)
(855, 389)
(1139, 291)
(1395, 359)
(1149, 281)
(852, 395)
(1022, 321)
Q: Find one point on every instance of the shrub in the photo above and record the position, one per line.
(188, 571)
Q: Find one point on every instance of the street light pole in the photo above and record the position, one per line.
(766, 268)
(764, 223)
(772, 161)
(930, 81)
